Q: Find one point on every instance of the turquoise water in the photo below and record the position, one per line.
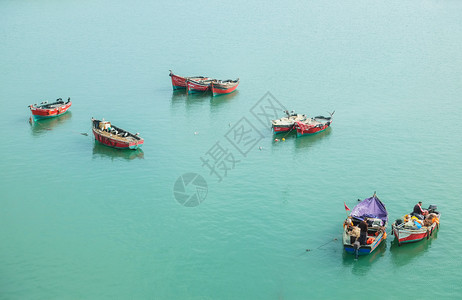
(79, 220)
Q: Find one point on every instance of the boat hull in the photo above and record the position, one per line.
(219, 89)
(197, 87)
(116, 143)
(403, 235)
(363, 249)
(179, 82)
(40, 113)
(311, 130)
(282, 129)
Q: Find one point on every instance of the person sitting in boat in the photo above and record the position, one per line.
(354, 233)
(363, 235)
(418, 209)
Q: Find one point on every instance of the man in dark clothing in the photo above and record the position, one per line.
(418, 209)
(363, 236)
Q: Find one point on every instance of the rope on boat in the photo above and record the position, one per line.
(335, 239)
(293, 127)
(398, 227)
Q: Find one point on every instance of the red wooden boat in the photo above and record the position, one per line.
(49, 110)
(313, 125)
(179, 82)
(198, 86)
(115, 137)
(221, 87)
(287, 123)
(413, 228)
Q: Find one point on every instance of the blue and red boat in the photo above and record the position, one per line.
(222, 87)
(115, 137)
(377, 219)
(50, 110)
(313, 125)
(179, 82)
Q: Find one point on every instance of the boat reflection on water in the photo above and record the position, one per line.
(406, 253)
(216, 102)
(42, 126)
(181, 98)
(179, 95)
(364, 263)
(307, 141)
(102, 151)
(304, 141)
(198, 96)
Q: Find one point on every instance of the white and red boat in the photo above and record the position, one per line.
(221, 87)
(49, 110)
(198, 86)
(313, 125)
(287, 123)
(413, 228)
(112, 136)
(179, 82)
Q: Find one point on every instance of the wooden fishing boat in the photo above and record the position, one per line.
(221, 87)
(49, 110)
(416, 228)
(112, 136)
(198, 86)
(179, 82)
(313, 125)
(377, 218)
(287, 123)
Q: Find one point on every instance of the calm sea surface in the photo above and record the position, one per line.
(79, 220)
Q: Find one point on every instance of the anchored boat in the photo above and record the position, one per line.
(414, 228)
(377, 219)
(179, 82)
(198, 86)
(49, 110)
(313, 125)
(287, 123)
(115, 137)
(221, 87)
